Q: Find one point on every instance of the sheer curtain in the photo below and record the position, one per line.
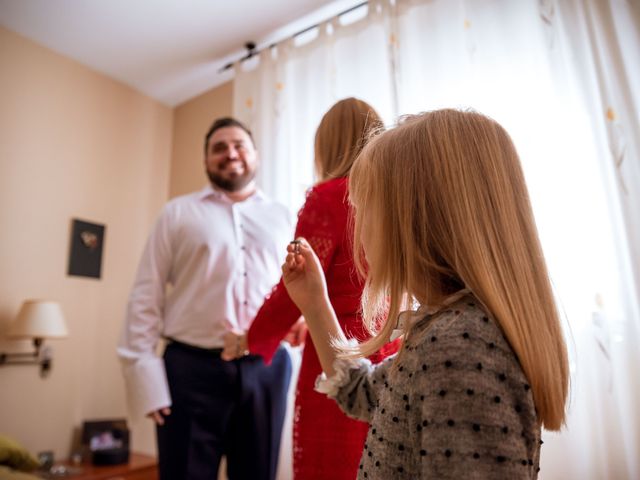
(284, 93)
(562, 76)
(599, 44)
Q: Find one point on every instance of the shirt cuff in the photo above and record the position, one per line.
(147, 386)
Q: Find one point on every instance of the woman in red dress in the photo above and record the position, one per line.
(326, 443)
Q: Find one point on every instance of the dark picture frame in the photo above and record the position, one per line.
(86, 247)
(106, 442)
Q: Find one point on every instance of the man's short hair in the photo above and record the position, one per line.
(223, 123)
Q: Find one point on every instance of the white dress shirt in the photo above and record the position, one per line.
(208, 264)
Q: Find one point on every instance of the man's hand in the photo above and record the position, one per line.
(235, 345)
(158, 415)
(298, 333)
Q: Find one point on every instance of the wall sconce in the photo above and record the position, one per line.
(37, 319)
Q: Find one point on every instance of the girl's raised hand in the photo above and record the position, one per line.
(303, 277)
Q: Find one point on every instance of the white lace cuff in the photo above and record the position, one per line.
(342, 367)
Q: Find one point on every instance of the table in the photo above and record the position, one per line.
(139, 467)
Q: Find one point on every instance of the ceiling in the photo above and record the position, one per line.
(171, 50)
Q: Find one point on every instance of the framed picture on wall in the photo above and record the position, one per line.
(85, 253)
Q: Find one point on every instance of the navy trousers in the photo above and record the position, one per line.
(221, 408)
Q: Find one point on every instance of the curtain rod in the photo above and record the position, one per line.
(251, 46)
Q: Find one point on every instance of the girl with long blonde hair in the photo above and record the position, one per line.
(443, 220)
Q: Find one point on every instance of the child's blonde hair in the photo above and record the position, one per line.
(441, 204)
(342, 133)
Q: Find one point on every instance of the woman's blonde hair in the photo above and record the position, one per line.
(441, 204)
(342, 133)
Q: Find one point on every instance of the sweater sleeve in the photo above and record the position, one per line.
(355, 386)
(316, 223)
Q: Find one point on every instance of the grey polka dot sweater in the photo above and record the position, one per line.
(453, 404)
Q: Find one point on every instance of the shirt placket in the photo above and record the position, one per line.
(240, 269)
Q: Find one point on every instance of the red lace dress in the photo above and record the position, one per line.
(326, 443)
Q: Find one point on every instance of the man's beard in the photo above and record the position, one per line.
(232, 184)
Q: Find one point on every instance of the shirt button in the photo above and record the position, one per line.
(244, 274)
(245, 303)
(242, 247)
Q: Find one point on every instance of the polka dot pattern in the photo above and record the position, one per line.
(454, 400)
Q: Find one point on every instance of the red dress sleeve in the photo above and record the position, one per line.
(321, 221)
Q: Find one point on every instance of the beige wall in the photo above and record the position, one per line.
(73, 144)
(191, 122)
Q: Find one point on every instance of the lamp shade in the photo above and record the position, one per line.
(39, 319)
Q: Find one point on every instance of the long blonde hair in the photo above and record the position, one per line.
(440, 204)
(342, 133)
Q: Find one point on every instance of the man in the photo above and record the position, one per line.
(219, 252)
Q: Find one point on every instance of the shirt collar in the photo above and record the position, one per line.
(210, 192)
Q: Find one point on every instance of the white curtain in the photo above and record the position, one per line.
(598, 42)
(563, 77)
(284, 94)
